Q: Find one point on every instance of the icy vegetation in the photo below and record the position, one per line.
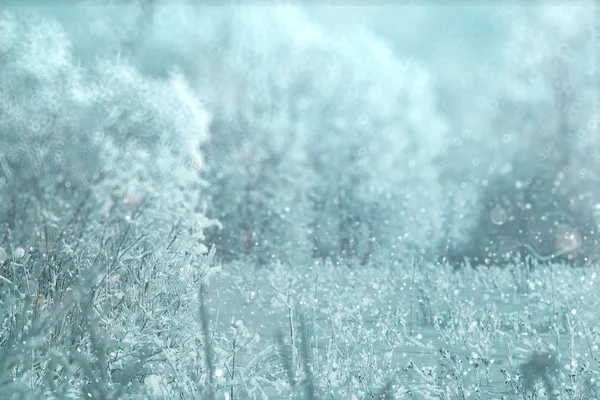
(202, 201)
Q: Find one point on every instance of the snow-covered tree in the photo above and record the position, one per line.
(374, 145)
(254, 164)
(321, 138)
(257, 166)
(540, 159)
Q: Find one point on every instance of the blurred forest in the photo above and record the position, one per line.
(355, 133)
(507, 172)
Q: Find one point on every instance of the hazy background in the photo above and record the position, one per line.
(460, 42)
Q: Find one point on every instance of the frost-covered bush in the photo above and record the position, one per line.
(69, 125)
(101, 204)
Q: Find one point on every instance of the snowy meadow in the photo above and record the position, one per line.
(303, 201)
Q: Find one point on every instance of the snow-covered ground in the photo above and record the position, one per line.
(435, 334)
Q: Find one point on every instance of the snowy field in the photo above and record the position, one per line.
(427, 334)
